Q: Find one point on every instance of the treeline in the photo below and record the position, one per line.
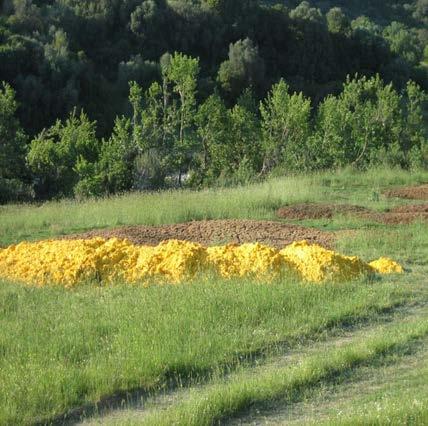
(93, 105)
(172, 139)
(413, 13)
(62, 54)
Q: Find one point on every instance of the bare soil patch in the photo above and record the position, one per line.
(319, 211)
(399, 215)
(211, 232)
(403, 214)
(411, 192)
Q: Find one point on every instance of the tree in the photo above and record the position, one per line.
(245, 146)
(304, 11)
(231, 9)
(148, 22)
(154, 125)
(13, 148)
(285, 126)
(414, 140)
(244, 68)
(404, 42)
(113, 172)
(360, 125)
(163, 121)
(213, 125)
(55, 155)
(182, 72)
(337, 21)
(421, 11)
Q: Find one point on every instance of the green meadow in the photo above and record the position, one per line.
(216, 351)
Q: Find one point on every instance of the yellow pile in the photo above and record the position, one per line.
(68, 263)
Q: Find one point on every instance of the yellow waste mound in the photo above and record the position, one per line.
(386, 266)
(69, 262)
(315, 263)
(248, 259)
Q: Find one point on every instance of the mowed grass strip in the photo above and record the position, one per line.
(392, 389)
(62, 349)
(244, 390)
(257, 201)
(393, 393)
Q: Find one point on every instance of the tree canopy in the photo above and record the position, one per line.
(103, 96)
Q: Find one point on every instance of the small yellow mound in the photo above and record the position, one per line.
(384, 265)
(67, 263)
(317, 264)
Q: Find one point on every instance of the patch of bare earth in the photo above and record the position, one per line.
(410, 192)
(318, 211)
(403, 214)
(399, 215)
(211, 232)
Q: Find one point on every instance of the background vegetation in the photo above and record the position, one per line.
(94, 104)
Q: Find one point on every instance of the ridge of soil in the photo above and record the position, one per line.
(403, 214)
(419, 192)
(212, 232)
(399, 215)
(318, 211)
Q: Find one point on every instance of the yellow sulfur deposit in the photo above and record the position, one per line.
(316, 264)
(69, 262)
(248, 259)
(171, 260)
(386, 266)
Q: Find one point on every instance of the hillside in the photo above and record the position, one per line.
(413, 13)
(101, 97)
(61, 54)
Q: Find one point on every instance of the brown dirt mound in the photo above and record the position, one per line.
(403, 214)
(211, 232)
(411, 209)
(319, 211)
(399, 215)
(411, 192)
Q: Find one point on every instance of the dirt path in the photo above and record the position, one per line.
(366, 387)
(319, 211)
(402, 214)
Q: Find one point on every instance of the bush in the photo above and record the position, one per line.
(14, 190)
(59, 154)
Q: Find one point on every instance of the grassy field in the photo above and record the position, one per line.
(219, 351)
(256, 201)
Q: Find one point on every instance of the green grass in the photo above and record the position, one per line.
(286, 383)
(65, 348)
(62, 349)
(400, 400)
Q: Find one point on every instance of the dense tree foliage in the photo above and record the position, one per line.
(12, 149)
(95, 100)
(170, 136)
(61, 54)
